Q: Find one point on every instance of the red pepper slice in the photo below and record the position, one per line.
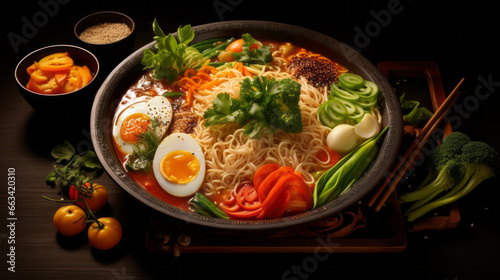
(246, 198)
(262, 173)
(290, 194)
(267, 185)
(244, 213)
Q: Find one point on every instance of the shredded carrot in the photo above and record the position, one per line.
(242, 69)
(194, 80)
(340, 68)
(190, 72)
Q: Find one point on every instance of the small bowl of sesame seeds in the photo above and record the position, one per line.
(109, 35)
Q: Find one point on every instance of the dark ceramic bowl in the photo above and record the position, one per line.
(109, 54)
(130, 69)
(58, 103)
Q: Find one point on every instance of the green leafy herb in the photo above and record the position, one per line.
(414, 114)
(262, 55)
(144, 149)
(265, 105)
(72, 168)
(173, 55)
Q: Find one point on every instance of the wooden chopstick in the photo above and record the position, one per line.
(406, 161)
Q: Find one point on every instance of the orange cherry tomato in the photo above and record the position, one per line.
(56, 62)
(40, 76)
(78, 78)
(69, 220)
(61, 77)
(32, 68)
(107, 235)
(237, 46)
(56, 73)
(48, 87)
(95, 197)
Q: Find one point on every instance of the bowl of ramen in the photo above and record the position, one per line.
(228, 125)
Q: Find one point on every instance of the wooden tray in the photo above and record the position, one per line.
(398, 73)
(373, 232)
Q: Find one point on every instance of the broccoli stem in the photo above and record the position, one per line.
(423, 201)
(472, 178)
(438, 184)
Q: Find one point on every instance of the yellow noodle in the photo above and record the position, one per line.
(232, 158)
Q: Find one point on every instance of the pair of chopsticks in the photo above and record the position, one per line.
(406, 161)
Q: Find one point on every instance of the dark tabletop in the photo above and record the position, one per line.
(460, 36)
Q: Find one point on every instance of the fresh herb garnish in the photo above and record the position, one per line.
(144, 149)
(248, 55)
(265, 105)
(173, 55)
(72, 169)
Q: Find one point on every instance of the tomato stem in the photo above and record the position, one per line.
(92, 214)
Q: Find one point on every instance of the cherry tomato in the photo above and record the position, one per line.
(106, 236)
(48, 87)
(96, 197)
(237, 46)
(32, 68)
(56, 73)
(69, 220)
(78, 78)
(56, 62)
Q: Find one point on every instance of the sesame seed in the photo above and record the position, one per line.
(105, 33)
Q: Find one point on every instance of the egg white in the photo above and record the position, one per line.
(179, 142)
(158, 107)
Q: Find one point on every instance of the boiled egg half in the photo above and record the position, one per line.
(179, 165)
(154, 112)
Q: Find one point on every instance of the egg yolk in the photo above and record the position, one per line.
(179, 167)
(133, 126)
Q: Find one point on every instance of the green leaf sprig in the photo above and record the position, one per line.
(72, 168)
(248, 56)
(173, 55)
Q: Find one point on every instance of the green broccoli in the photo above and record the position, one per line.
(283, 111)
(448, 176)
(448, 150)
(461, 165)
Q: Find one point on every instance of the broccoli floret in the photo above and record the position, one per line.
(449, 149)
(454, 142)
(283, 109)
(479, 162)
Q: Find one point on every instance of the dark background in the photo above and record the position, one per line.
(460, 36)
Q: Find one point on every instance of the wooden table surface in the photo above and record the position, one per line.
(414, 31)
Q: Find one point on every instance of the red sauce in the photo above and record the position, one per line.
(148, 182)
